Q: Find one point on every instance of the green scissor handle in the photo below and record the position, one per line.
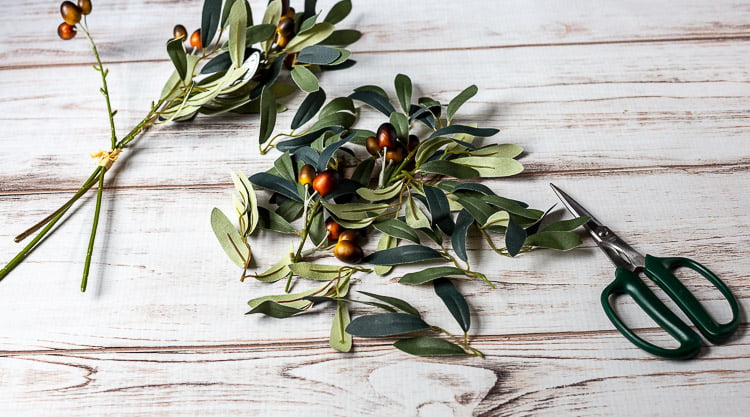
(660, 271)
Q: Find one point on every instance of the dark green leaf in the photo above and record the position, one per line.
(428, 346)
(429, 274)
(274, 309)
(438, 204)
(396, 302)
(459, 100)
(458, 238)
(345, 187)
(329, 151)
(386, 324)
(277, 184)
(309, 107)
(450, 169)
(515, 237)
(374, 89)
(305, 79)
(342, 37)
(319, 55)
(363, 172)
(318, 300)
(566, 225)
(270, 220)
(309, 8)
(340, 119)
(336, 105)
(285, 167)
(338, 12)
(472, 186)
(375, 100)
(478, 209)
(317, 228)
(454, 129)
(210, 21)
(177, 54)
(560, 240)
(219, 63)
(292, 145)
(403, 91)
(455, 302)
(401, 124)
(402, 255)
(513, 207)
(398, 229)
(259, 33)
(307, 155)
(267, 114)
(290, 210)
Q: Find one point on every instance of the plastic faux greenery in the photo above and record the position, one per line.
(218, 74)
(406, 193)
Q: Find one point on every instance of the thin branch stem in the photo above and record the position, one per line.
(105, 89)
(92, 237)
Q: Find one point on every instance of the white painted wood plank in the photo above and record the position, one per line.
(137, 30)
(160, 279)
(566, 375)
(588, 107)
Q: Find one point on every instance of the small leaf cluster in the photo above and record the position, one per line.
(241, 73)
(415, 202)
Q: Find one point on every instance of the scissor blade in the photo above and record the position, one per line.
(619, 252)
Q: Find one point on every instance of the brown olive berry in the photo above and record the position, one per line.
(286, 27)
(195, 39)
(386, 136)
(413, 143)
(282, 41)
(372, 145)
(306, 174)
(289, 13)
(179, 32)
(325, 182)
(396, 155)
(334, 229)
(71, 13)
(85, 6)
(348, 251)
(290, 60)
(66, 31)
(349, 234)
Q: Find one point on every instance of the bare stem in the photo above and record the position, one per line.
(92, 237)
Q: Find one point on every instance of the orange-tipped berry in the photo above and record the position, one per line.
(348, 251)
(334, 229)
(195, 39)
(325, 182)
(306, 174)
(71, 13)
(66, 31)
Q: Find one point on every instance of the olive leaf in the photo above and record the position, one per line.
(566, 225)
(338, 12)
(267, 114)
(401, 124)
(430, 274)
(458, 238)
(396, 302)
(439, 208)
(276, 272)
(386, 324)
(503, 150)
(449, 168)
(329, 151)
(560, 240)
(454, 300)
(305, 79)
(273, 309)
(398, 229)
(268, 219)
(491, 166)
(177, 54)
(459, 100)
(428, 346)
(478, 209)
(381, 194)
(296, 300)
(249, 201)
(415, 217)
(515, 236)
(237, 32)
(259, 33)
(312, 36)
(354, 211)
(386, 241)
(319, 55)
(402, 255)
(428, 148)
(210, 20)
(474, 131)
(342, 37)
(317, 272)
(230, 239)
(336, 105)
(277, 184)
(403, 91)
(339, 338)
(374, 100)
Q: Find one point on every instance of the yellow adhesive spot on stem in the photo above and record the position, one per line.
(106, 158)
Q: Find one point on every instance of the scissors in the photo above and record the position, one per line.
(630, 264)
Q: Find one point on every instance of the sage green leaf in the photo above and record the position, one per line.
(385, 242)
(338, 12)
(428, 346)
(430, 274)
(210, 20)
(449, 168)
(312, 36)
(560, 240)
(317, 230)
(225, 12)
(402, 255)
(503, 150)
(401, 123)
(415, 218)
(296, 300)
(340, 339)
(337, 105)
(374, 100)
(273, 221)
(513, 207)
(344, 54)
(279, 270)
(339, 119)
(356, 224)
(318, 300)
(267, 114)
(354, 211)
(403, 91)
(478, 209)
(277, 184)
(342, 37)
(396, 302)
(308, 23)
(428, 148)
(305, 79)
(515, 236)
(398, 229)
(274, 309)
(459, 100)
(491, 166)
(237, 27)
(250, 201)
(363, 173)
(259, 33)
(170, 89)
(454, 300)
(381, 194)
(273, 13)
(317, 272)
(290, 210)
(458, 238)
(474, 131)
(498, 218)
(177, 54)
(385, 324)
(319, 55)
(285, 166)
(230, 239)
(309, 107)
(566, 225)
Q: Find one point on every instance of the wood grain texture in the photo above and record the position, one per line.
(637, 108)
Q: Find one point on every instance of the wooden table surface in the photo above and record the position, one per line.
(638, 108)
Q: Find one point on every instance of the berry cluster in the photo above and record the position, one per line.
(387, 145)
(71, 14)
